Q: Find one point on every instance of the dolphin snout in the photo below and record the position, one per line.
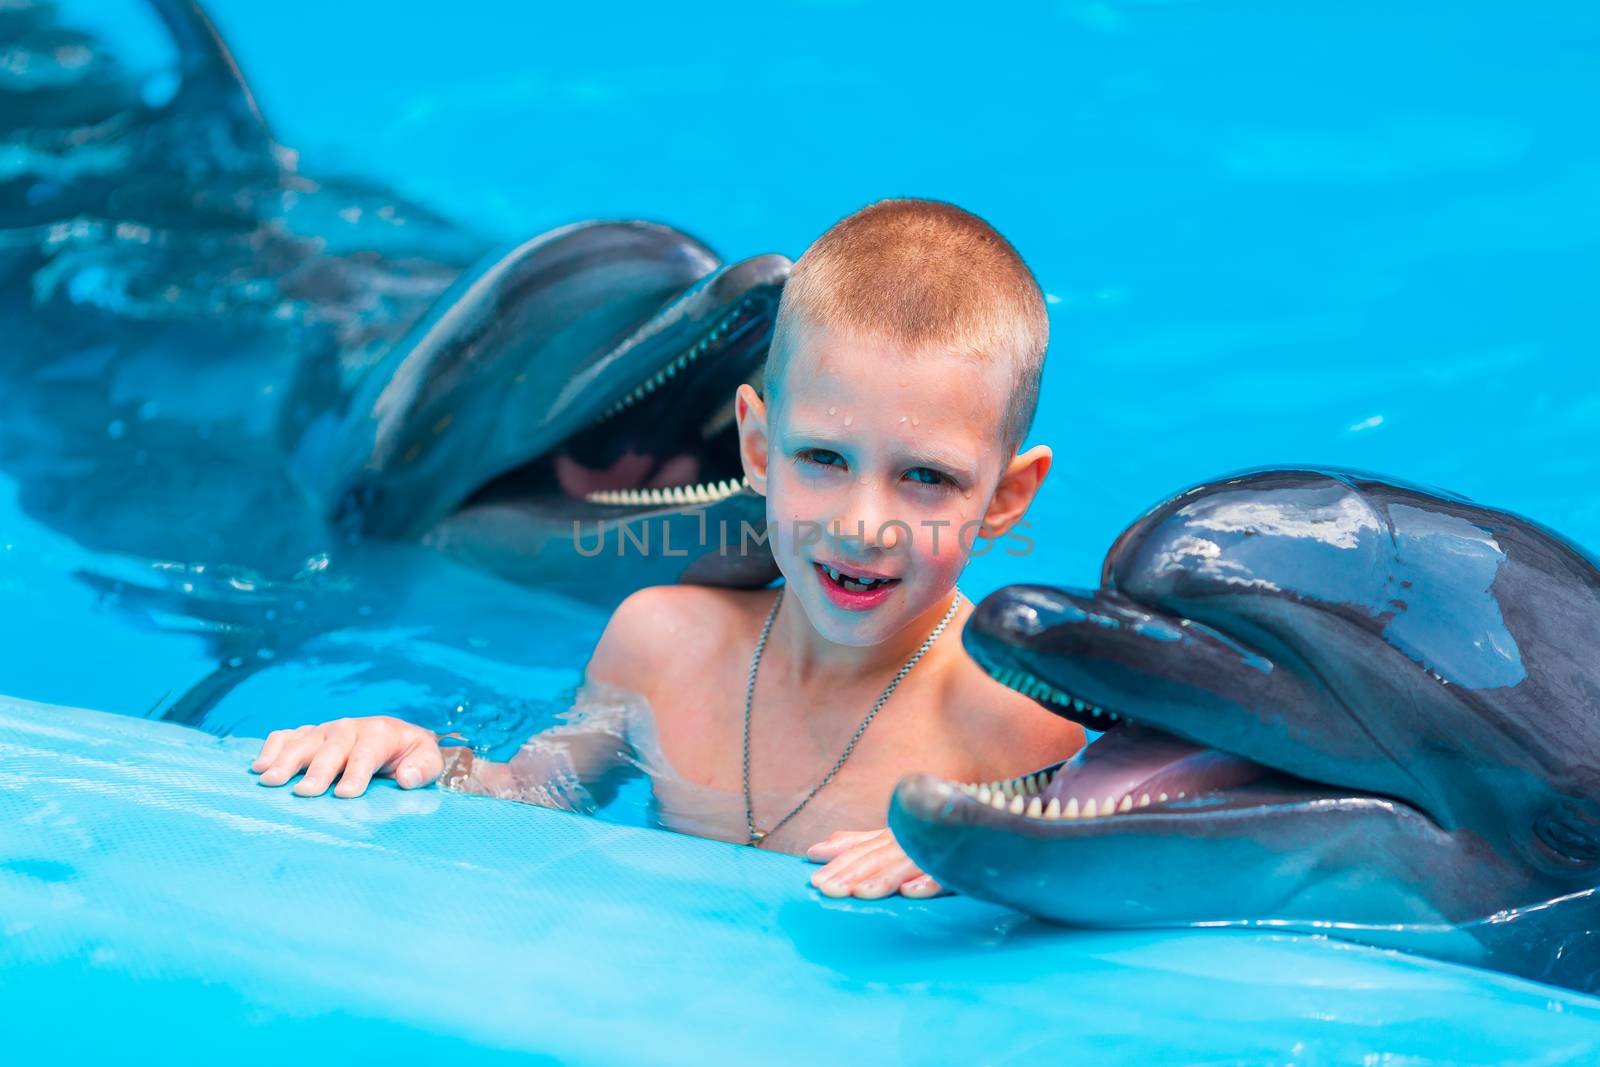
(1019, 612)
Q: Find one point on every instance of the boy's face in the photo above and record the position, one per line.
(880, 462)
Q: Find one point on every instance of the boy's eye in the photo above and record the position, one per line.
(822, 457)
(929, 476)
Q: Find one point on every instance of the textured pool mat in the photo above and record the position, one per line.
(156, 902)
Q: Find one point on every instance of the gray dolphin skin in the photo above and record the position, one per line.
(319, 361)
(1332, 704)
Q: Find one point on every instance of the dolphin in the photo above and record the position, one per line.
(1333, 703)
(218, 358)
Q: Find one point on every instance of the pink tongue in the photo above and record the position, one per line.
(1134, 760)
(628, 472)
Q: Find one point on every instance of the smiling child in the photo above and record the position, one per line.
(903, 377)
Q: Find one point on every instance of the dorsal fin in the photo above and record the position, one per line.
(212, 122)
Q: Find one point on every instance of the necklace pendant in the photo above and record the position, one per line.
(756, 837)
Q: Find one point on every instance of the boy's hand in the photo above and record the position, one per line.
(868, 864)
(355, 748)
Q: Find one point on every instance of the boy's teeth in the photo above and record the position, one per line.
(847, 581)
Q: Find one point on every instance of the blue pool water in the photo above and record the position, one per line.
(1359, 234)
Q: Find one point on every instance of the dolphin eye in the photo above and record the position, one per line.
(1563, 833)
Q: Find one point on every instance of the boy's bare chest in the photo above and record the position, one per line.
(798, 737)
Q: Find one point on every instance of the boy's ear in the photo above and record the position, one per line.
(1019, 483)
(750, 412)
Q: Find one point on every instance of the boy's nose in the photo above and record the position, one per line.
(867, 525)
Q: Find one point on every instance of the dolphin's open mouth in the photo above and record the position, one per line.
(1135, 770)
(671, 441)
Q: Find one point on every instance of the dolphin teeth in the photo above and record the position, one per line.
(697, 493)
(1071, 811)
(1078, 705)
(1016, 806)
(998, 802)
(1162, 799)
(1091, 809)
(1127, 803)
(1144, 801)
(1053, 811)
(1035, 808)
(983, 794)
(1110, 806)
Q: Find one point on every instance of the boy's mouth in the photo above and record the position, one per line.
(853, 588)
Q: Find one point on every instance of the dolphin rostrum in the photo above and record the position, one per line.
(1332, 703)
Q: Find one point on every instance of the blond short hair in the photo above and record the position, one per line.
(924, 273)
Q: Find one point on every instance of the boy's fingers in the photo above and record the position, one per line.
(270, 748)
(291, 758)
(420, 767)
(834, 844)
(370, 752)
(885, 880)
(840, 877)
(325, 765)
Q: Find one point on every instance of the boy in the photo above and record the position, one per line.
(903, 376)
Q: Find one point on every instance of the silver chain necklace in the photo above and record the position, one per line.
(756, 836)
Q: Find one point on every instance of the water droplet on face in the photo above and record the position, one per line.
(902, 418)
(848, 419)
(914, 421)
(832, 410)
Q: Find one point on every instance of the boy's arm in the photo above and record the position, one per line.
(595, 749)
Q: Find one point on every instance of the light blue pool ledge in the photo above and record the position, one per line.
(154, 901)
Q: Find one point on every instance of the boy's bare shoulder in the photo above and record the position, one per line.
(1003, 729)
(662, 629)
